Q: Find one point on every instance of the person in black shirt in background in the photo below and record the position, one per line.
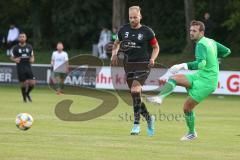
(142, 48)
(209, 25)
(22, 54)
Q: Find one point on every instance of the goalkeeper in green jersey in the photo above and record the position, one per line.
(200, 84)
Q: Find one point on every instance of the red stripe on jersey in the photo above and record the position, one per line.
(153, 41)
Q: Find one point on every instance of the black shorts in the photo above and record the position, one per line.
(25, 73)
(138, 71)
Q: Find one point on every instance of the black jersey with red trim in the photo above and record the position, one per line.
(24, 53)
(136, 43)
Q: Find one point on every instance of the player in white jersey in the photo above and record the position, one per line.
(59, 63)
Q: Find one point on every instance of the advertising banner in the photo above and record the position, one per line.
(114, 78)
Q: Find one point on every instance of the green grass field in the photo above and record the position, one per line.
(107, 137)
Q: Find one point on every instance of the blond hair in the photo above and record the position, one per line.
(137, 8)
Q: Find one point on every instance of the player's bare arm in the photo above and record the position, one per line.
(155, 53)
(52, 62)
(32, 59)
(15, 59)
(114, 58)
(67, 67)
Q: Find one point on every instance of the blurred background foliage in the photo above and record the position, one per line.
(78, 22)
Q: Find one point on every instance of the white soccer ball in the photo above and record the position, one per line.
(24, 121)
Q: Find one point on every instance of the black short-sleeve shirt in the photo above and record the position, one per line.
(136, 42)
(24, 53)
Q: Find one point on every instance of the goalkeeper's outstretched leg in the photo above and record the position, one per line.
(179, 79)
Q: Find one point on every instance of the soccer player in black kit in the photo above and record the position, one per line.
(141, 46)
(22, 54)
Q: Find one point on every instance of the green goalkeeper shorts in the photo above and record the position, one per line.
(201, 87)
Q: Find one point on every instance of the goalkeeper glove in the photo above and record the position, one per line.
(176, 68)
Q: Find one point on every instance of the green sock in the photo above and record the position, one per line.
(168, 88)
(61, 86)
(190, 120)
(58, 86)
